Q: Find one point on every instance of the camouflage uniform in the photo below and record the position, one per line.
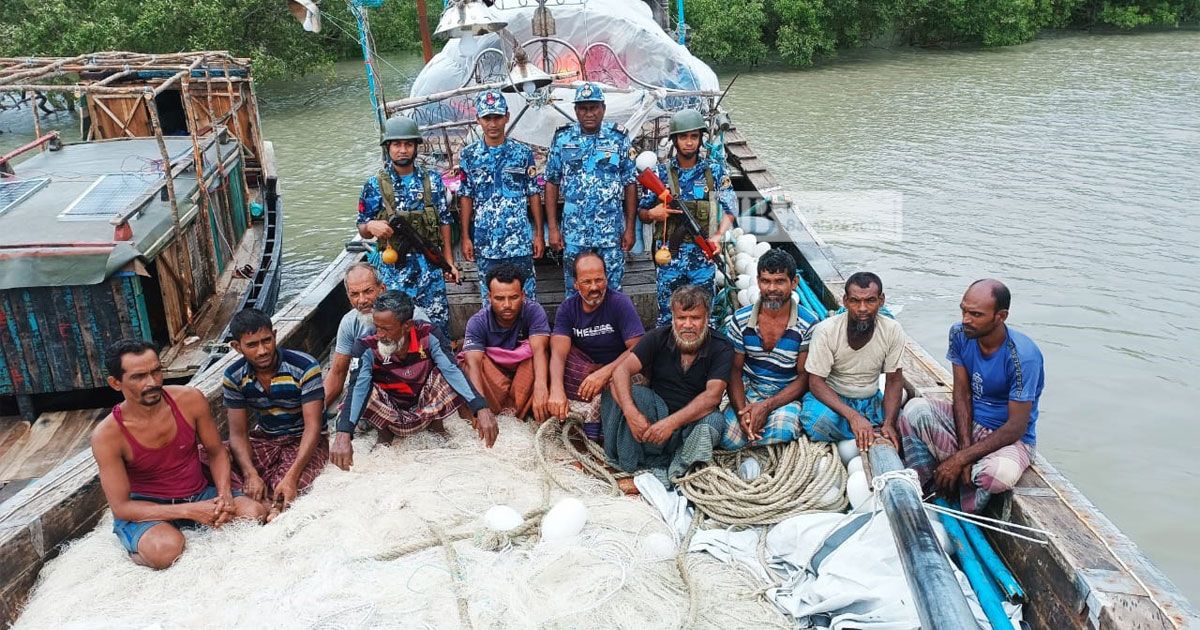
(694, 187)
(414, 274)
(592, 171)
(500, 180)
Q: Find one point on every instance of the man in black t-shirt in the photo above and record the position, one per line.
(673, 422)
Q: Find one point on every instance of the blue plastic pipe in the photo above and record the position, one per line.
(682, 26)
(994, 565)
(820, 309)
(977, 575)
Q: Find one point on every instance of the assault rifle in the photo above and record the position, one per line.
(648, 178)
(408, 239)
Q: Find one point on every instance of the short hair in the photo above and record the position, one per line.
(361, 266)
(505, 273)
(121, 347)
(395, 302)
(1000, 293)
(864, 279)
(585, 254)
(691, 296)
(248, 321)
(777, 261)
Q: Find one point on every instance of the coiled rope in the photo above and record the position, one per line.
(797, 477)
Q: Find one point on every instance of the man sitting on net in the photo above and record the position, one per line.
(672, 422)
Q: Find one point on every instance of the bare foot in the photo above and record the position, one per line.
(439, 427)
(385, 437)
(273, 513)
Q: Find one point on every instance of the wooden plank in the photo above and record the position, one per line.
(11, 432)
(53, 438)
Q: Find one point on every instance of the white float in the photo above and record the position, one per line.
(761, 248)
(858, 490)
(658, 546)
(847, 450)
(502, 518)
(565, 520)
(855, 465)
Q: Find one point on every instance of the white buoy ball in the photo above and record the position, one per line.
(501, 518)
(658, 546)
(754, 294)
(743, 282)
(866, 506)
(855, 465)
(565, 520)
(645, 160)
(719, 279)
(750, 469)
(746, 243)
(737, 233)
(761, 248)
(847, 450)
(857, 489)
(744, 297)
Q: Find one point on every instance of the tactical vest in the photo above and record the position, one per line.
(425, 222)
(703, 210)
(403, 379)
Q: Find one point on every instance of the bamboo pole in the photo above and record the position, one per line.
(423, 23)
(37, 123)
(198, 159)
(32, 72)
(182, 249)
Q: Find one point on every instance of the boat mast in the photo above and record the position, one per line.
(367, 44)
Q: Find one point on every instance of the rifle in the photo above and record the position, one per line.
(407, 238)
(648, 178)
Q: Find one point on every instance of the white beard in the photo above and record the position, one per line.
(386, 349)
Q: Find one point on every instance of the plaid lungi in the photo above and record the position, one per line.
(783, 424)
(436, 401)
(823, 424)
(929, 437)
(273, 458)
(579, 366)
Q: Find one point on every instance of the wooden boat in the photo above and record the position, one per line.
(160, 224)
(1090, 575)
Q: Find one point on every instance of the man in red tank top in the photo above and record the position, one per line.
(150, 467)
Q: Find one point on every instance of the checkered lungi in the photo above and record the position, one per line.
(436, 401)
(823, 424)
(783, 424)
(579, 367)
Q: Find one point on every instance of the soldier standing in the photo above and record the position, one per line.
(414, 194)
(591, 162)
(702, 186)
(500, 192)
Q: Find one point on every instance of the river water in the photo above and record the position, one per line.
(1069, 167)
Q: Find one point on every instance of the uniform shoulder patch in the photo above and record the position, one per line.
(619, 128)
(725, 182)
(562, 128)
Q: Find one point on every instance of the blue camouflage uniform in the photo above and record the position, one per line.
(500, 180)
(688, 264)
(592, 171)
(414, 275)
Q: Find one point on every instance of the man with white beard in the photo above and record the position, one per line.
(770, 344)
(363, 285)
(672, 422)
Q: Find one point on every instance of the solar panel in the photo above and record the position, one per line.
(110, 195)
(14, 191)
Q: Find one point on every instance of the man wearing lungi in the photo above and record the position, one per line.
(847, 354)
(770, 344)
(981, 443)
(673, 422)
(505, 346)
(407, 381)
(287, 447)
(593, 330)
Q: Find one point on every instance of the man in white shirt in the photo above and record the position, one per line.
(847, 354)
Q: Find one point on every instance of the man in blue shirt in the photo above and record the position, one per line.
(702, 186)
(500, 192)
(285, 450)
(401, 188)
(591, 164)
(979, 444)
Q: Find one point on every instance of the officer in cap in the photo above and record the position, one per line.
(417, 195)
(500, 192)
(703, 187)
(591, 167)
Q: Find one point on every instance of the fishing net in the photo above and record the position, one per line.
(330, 561)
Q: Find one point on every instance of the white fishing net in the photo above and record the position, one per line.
(318, 565)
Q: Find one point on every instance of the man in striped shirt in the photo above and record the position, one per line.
(770, 343)
(286, 448)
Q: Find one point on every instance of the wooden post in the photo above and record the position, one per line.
(423, 22)
(182, 250)
(37, 124)
(189, 113)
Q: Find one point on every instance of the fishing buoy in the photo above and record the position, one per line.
(737, 233)
(662, 256)
(746, 243)
(389, 255)
(502, 518)
(866, 506)
(743, 282)
(754, 294)
(719, 279)
(750, 469)
(761, 248)
(855, 465)
(645, 160)
(565, 520)
(658, 546)
(744, 297)
(744, 266)
(857, 489)
(847, 450)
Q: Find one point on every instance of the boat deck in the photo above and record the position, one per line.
(29, 450)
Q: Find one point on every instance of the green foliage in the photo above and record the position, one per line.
(261, 29)
(727, 31)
